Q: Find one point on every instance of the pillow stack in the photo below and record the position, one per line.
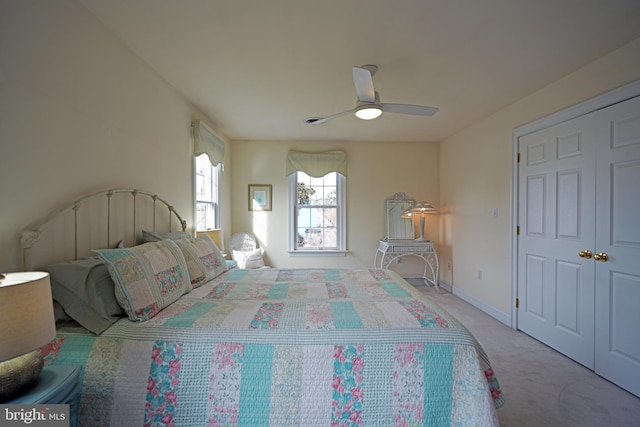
(151, 276)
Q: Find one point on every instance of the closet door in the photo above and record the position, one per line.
(617, 327)
(556, 216)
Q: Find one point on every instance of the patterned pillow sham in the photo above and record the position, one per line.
(147, 277)
(204, 259)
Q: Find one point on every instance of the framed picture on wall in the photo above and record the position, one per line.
(259, 197)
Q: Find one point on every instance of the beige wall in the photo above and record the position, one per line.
(80, 113)
(376, 171)
(475, 178)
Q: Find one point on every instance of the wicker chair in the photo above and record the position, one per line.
(245, 251)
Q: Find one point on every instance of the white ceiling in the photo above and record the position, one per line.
(258, 68)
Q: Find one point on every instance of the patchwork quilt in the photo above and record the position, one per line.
(282, 347)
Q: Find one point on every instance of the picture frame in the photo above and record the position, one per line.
(259, 197)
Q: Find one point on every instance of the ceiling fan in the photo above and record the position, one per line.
(368, 106)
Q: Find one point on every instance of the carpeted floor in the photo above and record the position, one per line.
(541, 386)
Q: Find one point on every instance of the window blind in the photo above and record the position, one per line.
(206, 141)
(316, 164)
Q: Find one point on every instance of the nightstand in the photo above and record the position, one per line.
(57, 384)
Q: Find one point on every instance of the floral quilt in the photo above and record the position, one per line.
(286, 347)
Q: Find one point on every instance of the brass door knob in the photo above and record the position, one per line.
(585, 254)
(601, 256)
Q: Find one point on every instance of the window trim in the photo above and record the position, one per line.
(341, 186)
(216, 172)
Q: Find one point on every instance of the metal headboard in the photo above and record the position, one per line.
(30, 236)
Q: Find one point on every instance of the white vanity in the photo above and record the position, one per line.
(400, 242)
(392, 250)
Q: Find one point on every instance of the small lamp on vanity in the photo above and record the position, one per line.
(421, 209)
(26, 324)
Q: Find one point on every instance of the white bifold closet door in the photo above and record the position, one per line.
(579, 242)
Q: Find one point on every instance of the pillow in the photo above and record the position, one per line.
(249, 259)
(204, 259)
(147, 277)
(85, 291)
(59, 314)
(152, 236)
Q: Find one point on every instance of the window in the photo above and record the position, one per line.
(318, 213)
(206, 182)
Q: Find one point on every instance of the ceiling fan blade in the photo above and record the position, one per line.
(321, 120)
(364, 84)
(414, 110)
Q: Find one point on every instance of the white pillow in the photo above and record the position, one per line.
(249, 259)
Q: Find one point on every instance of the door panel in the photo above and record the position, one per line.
(625, 318)
(617, 338)
(625, 177)
(568, 300)
(569, 191)
(570, 145)
(533, 302)
(536, 205)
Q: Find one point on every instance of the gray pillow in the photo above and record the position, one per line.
(85, 291)
(152, 236)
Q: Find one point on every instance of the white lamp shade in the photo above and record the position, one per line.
(26, 313)
(216, 236)
(422, 207)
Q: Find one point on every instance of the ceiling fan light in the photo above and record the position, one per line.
(368, 112)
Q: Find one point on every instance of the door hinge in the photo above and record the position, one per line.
(517, 302)
(518, 158)
(517, 230)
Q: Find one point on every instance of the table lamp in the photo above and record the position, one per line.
(26, 324)
(216, 236)
(421, 208)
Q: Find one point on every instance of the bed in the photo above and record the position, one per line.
(168, 334)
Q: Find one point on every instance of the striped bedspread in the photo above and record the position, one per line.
(281, 347)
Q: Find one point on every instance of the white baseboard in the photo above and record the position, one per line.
(482, 306)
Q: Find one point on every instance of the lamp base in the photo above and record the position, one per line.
(19, 372)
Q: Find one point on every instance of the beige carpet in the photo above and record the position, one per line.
(541, 386)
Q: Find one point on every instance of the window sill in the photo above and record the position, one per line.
(318, 253)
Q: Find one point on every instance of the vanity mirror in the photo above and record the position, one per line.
(398, 227)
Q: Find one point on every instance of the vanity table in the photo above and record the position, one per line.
(394, 249)
(400, 240)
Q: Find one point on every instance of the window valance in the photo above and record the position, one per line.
(206, 141)
(316, 164)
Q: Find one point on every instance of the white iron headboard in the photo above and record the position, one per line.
(98, 220)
